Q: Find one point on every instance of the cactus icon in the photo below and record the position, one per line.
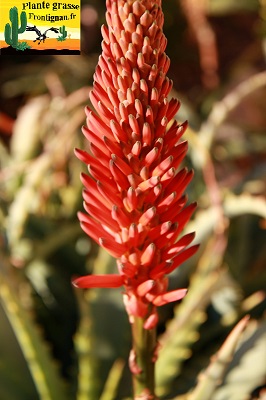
(12, 30)
(63, 35)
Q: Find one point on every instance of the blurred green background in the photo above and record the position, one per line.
(59, 343)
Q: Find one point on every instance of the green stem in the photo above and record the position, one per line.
(144, 353)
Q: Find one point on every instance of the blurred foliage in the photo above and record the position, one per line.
(59, 343)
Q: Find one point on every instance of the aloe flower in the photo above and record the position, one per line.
(134, 194)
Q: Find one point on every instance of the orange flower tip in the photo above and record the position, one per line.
(161, 269)
(84, 178)
(148, 254)
(151, 322)
(196, 246)
(144, 173)
(147, 216)
(184, 125)
(133, 233)
(127, 269)
(136, 148)
(114, 248)
(98, 281)
(149, 183)
(151, 156)
(145, 287)
(183, 256)
(87, 110)
(135, 306)
(82, 217)
(169, 297)
(76, 151)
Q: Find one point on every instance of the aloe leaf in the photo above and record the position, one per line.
(20, 208)
(45, 375)
(247, 370)
(233, 206)
(181, 333)
(210, 379)
(244, 204)
(225, 7)
(112, 382)
(88, 364)
(15, 378)
(30, 115)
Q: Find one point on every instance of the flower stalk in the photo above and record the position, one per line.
(142, 360)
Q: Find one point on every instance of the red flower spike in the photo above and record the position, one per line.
(147, 255)
(151, 321)
(111, 196)
(136, 148)
(127, 269)
(149, 183)
(133, 235)
(147, 217)
(115, 249)
(130, 200)
(90, 230)
(95, 200)
(163, 166)
(120, 216)
(168, 297)
(135, 195)
(118, 175)
(153, 195)
(99, 281)
(98, 154)
(179, 183)
(149, 115)
(182, 257)
(145, 288)
(135, 306)
(121, 164)
(134, 180)
(93, 138)
(113, 147)
(163, 241)
(161, 269)
(117, 131)
(160, 230)
(101, 217)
